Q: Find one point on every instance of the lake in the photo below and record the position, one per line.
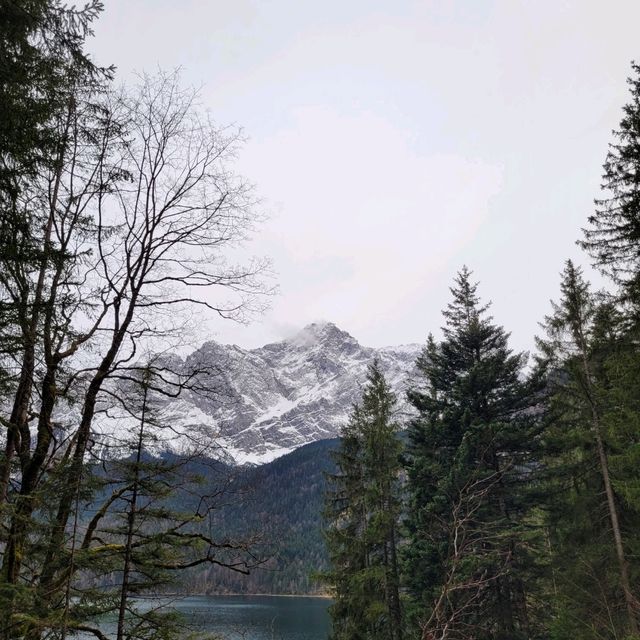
(257, 617)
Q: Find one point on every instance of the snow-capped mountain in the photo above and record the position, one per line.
(268, 401)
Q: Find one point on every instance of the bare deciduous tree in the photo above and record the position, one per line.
(461, 595)
(136, 220)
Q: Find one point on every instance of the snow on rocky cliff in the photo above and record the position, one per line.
(268, 401)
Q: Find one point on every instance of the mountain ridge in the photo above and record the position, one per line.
(267, 401)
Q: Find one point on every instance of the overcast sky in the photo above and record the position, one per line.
(392, 142)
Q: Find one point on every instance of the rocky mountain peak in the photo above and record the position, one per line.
(268, 401)
(324, 334)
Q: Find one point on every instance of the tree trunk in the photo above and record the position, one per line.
(19, 414)
(612, 508)
(18, 418)
(26, 500)
(393, 580)
(131, 517)
(623, 566)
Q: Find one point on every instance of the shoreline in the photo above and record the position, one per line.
(269, 595)
(237, 595)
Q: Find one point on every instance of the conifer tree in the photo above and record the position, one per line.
(613, 235)
(345, 513)
(612, 339)
(142, 519)
(362, 510)
(593, 451)
(41, 56)
(468, 560)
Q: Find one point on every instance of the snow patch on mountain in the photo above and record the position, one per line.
(263, 403)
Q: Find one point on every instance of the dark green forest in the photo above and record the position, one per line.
(277, 506)
(517, 491)
(281, 502)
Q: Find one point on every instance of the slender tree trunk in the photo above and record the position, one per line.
(506, 620)
(393, 579)
(22, 398)
(19, 414)
(56, 537)
(623, 566)
(72, 560)
(131, 520)
(14, 553)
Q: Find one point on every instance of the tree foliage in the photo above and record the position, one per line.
(613, 235)
(471, 466)
(362, 512)
(593, 448)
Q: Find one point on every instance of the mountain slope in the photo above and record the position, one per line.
(290, 393)
(282, 502)
(268, 401)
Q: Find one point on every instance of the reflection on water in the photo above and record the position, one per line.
(239, 617)
(257, 617)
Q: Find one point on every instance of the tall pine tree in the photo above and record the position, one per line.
(613, 235)
(471, 463)
(362, 511)
(593, 451)
(612, 238)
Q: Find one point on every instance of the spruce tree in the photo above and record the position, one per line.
(142, 520)
(611, 343)
(613, 235)
(42, 67)
(345, 514)
(41, 55)
(468, 560)
(362, 511)
(593, 450)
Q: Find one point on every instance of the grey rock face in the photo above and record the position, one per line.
(268, 401)
(259, 404)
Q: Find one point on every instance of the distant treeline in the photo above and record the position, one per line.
(282, 502)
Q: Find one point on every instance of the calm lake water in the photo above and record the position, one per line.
(257, 617)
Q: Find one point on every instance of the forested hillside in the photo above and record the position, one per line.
(282, 503)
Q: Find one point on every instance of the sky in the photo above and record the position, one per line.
(393, 142)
